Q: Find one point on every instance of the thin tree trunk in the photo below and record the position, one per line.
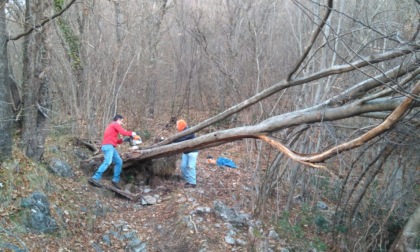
(151, 88)
(5, 99)
(374, 167)
(76, 59)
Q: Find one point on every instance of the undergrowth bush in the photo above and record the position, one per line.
(297, 229)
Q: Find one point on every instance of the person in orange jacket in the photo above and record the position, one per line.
(109, 142)
(189, 158)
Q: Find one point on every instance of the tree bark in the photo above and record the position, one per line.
(36, 99)
(152, 63)
(5, 99)
(408, 238)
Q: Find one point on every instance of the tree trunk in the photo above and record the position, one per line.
(154, 56)
(76, 60)
(36, 100)
(409, 237)
(5, 108)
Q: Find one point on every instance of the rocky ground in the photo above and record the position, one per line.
(214, 216)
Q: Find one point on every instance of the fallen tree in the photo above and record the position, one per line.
(400, 107)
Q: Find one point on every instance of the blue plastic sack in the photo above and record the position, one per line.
(222, 161)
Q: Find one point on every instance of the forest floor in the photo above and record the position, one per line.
(96, 219)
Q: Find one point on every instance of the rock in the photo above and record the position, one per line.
(322, 205)
(116, 235)
(130, 235)
(81, 154)
(229, 240)
(230, 215)
(181, 200)
(258, 224)
(99, 209)
(10, 247)
(107, 240)
(274, 235)
(96, 247)
(38, 200)
(203, 210)
(37, 215)
(241, 242)
(231, 232)
(136, 245)
(38, 221)
(203, 248)
(148, 200)
(54, 149)
(61, 168)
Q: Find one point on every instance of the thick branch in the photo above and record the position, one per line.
(292, 155)
(43, 22)
(272, 125)
(303, 80)
(392, 119)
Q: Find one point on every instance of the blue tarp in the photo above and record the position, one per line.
(222, 161)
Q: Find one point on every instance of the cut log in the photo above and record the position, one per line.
(125, 194)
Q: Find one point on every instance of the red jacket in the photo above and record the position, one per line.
(111, 134)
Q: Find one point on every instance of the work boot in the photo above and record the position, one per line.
(95, 182)
(116, 184)
(188, 185)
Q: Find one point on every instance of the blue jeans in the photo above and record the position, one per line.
(110, 156)
(188, 167)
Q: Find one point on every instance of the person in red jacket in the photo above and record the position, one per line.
(109, 142)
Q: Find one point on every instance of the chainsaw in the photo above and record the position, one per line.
(134, 141)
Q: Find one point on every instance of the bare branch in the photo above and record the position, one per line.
(312, 40)
(289, 153)
(42, 23)
(392, 119)
(284, 84)
(271, 125)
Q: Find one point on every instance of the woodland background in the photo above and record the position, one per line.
(311, 75)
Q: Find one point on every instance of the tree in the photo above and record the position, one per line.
(328, 111)
(36, 97)
(76, 57)
(5, 98)
(408, 238)
(35, 94)
(154, 24)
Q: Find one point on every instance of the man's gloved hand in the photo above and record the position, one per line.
(133, 134)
